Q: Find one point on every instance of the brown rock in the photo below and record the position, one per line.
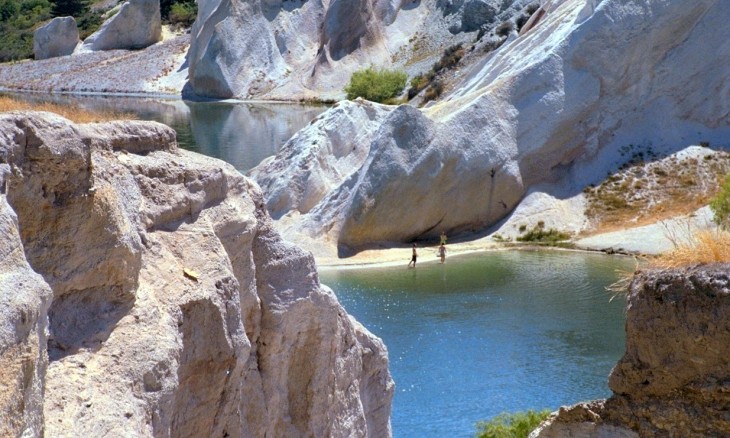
(674, 380)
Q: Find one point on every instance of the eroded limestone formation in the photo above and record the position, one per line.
(173, 307)
(673, 379)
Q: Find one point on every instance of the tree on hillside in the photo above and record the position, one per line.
(66, 8)
(8, 9)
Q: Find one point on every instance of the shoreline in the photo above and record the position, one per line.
(170, 96)
(400, 255)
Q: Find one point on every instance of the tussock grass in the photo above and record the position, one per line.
(703, 246)
(74, 113)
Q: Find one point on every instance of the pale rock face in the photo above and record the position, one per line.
(551, 106)
(136, 26)
(298, 49)
(320, 158)
(57, 38)
(176, 309)
(24, 300)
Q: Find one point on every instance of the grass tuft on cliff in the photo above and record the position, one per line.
(704, 246)
(516, 425)
(73, 113)
(376, 85)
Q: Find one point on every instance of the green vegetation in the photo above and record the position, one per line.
(720, 205)
(183, 13)
(20, 18)
(449, 60)
(517, 425)
(178, 12)
(539, 235)
(376, 85)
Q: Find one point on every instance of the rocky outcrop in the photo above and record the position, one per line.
(59, 37)
(673, 379)
(173, 307)
(136, 26)
(320, 158)
(299, 49)
(478, 13)
(555, 104)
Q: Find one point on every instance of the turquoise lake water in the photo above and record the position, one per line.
(479, 335)
(489, 333)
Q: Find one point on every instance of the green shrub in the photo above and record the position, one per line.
(376, 85)
(449, 59)
(183, 14)
(539, 235)
(517, 425)
(720, 205)
(89, 22)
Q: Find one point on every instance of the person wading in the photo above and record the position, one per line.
(413, 257)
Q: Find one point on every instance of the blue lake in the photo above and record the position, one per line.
(489, 333)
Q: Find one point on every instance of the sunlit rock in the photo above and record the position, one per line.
(57, 38)
(173, 307)
(136, 26)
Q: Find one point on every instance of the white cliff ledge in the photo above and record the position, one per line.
(171, 306)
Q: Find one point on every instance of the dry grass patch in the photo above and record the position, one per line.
(74, 113)
(642, 192)
(704, 246)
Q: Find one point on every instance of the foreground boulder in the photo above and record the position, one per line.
(172, 306)
(673, 379)
(57, 38)
(136, 26)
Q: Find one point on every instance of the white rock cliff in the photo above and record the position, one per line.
(171, 306)
(307, 49)
(552, 105)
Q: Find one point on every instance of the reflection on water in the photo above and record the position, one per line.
(242, 134)
(489, 333)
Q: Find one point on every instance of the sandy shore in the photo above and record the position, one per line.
(647, 240)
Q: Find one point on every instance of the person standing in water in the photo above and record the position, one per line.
(443, 238)
(413, 257)
(442, 252)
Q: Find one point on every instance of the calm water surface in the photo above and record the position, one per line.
(480, 335)
(484, 334)
(242, 134)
